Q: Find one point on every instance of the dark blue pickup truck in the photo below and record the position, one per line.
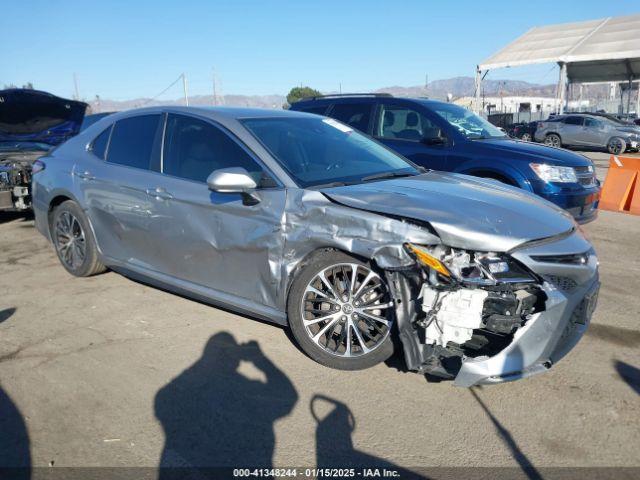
(445, 136)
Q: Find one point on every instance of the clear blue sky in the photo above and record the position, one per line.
(126, 49)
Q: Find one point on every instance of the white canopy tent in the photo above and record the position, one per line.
(605, 50)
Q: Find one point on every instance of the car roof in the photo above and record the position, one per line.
(329, 99)
(215, 113)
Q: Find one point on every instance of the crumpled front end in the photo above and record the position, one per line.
(15, 181)
(488, 317)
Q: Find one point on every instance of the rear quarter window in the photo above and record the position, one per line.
(100, 143)
(317, 109)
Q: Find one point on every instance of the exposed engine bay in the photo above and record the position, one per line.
(461, 305)
(15, 180)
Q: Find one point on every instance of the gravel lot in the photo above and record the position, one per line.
(109, 372)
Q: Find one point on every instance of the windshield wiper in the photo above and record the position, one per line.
(382, 176)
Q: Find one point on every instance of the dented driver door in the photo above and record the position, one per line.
(215, 240)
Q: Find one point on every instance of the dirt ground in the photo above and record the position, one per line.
(105, 371)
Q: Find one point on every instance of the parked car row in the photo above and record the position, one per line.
(585, 130)
(302, 220)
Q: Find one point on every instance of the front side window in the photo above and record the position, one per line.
(133, 141)
(356, 115)
(99, 145)
(467, 123)
(317, 151)
(401, 123)
(194, 148)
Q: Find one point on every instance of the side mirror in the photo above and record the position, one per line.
(230, 180)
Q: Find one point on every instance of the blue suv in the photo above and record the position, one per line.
(445, 136)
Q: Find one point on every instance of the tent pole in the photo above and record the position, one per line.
(561, 90)
(629, 95)
(476, 107)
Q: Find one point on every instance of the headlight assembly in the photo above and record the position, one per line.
(477, 268)
(554, 173)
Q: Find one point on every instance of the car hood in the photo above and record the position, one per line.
(466, 212)
(519, 149)
(35, 116)
(628, 129)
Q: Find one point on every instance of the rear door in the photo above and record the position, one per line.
(205, 237)
(413, 134)
(122, 162)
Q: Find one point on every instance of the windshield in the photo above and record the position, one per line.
(321, 151)
(24, 146)
(468, 123)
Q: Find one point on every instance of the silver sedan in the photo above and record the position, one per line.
(302, 221)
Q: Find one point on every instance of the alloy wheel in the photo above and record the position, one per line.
(346, 310)
(615, 146)
(552, 140)
(526, 137)
(70, 240)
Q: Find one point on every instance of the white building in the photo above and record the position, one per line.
(513, 104)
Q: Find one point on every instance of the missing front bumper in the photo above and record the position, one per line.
(545, 339)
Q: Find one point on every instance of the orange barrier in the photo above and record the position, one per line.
(621, 189)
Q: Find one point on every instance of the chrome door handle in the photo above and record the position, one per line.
(159, 193)
(86, 175)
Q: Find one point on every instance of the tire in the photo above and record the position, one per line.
(354, 320)
(553, 140)
(526, 137)
(73, 240)
(616, 146)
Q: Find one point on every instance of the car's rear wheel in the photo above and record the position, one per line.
(526, 137)
(616, 146)
(340, 312)
(73, 240)
(553, 140)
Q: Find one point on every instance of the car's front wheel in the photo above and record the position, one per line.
(526, 137)
(340, 312)
(616, 146)
(73, 240)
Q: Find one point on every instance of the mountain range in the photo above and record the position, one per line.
(437, 89)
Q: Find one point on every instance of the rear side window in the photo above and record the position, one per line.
(133, 140)
(356, 115)
(573, 120)
(318, 110)
(194, 148)
(99, 145)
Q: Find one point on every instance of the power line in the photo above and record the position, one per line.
(180, 77)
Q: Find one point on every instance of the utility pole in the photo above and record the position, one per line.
(184, 87)
(340, 87)
(75, 87)
(426, 85)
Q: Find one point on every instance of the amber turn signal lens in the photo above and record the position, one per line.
(429, 260)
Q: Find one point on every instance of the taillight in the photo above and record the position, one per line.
(37, 166)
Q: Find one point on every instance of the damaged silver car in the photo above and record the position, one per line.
(300, 220)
